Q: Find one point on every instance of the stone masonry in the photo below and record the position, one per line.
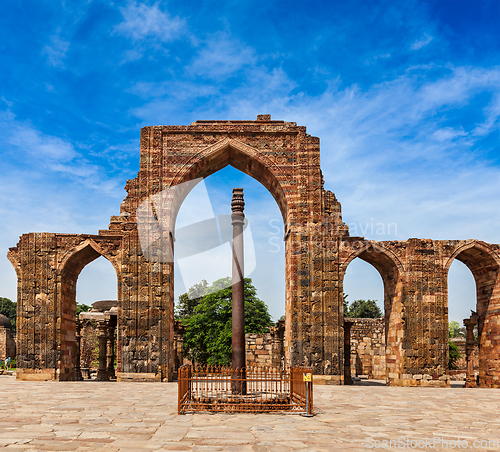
(318, 250)
(266, 349)
(368, 348)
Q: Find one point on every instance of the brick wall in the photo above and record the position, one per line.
(368, 348)
(266, 349)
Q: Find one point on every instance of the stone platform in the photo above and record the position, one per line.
(109, 416)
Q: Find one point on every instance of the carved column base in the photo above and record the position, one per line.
(470, 382)
(78, 375)
(102, 375)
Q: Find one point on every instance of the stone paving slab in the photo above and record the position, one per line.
(120, 417)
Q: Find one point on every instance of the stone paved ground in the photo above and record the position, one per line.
(108, 416)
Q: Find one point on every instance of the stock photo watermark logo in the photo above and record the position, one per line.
(435, 442)
(201, 239)
(331, 234)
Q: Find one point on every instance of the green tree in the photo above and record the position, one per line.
(365, 309)
(188, 301)
(455, 330)
(454, 356)
(9, 309)
(80, 307)
(208, 333)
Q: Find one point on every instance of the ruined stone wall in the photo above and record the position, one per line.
(415, 273)
(266, 349)
(47, 267)
(461, 362)
(318, 250)
(368, 348)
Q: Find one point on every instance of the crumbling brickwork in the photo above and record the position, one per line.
(266, 349)
(368, 348)
(318, 249)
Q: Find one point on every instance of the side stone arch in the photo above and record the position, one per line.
(484, 263)
(88, 250)
(474, 254)
(391, 271)
(48, 266)
(70, 264)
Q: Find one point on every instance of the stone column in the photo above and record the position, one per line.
(102, 374)
(347, 352)
(78, 343)
(470, 380)
(238, 294)
(110, 368)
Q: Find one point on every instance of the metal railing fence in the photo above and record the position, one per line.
(253, 389)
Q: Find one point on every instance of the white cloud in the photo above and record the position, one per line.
(56, 51)
(48, 154)
(448, 134)
(142, 21)
(221, 57)
(393, 153)
(30, 141)
(422, 42)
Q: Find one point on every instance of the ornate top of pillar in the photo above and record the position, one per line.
(237, 203)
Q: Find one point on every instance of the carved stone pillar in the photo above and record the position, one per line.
(470, 380)
(78, 341)
(102, 373)
(110, 368)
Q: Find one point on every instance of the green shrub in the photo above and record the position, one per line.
(454, 356)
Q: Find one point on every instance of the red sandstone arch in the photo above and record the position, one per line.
(242, 157)
(391, 271)
(84, 253)
(246, 159)
(484, 264)
(14, 260)
(475, 255)
(69, 269)
(373, 253)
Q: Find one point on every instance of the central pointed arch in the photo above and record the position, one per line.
(244, 158)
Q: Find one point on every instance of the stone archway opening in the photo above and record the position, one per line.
(365, 342)
(390, 333)
(462, 302)
(485, 317)
(69, 341)
(202, 239)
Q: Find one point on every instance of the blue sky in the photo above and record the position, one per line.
(403, 95)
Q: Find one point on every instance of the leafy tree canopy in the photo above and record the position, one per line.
(188, 301)
(454, 356)
(455, 330)
(9, 309)
(80, 307)
(208, 333)
(366, 309)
